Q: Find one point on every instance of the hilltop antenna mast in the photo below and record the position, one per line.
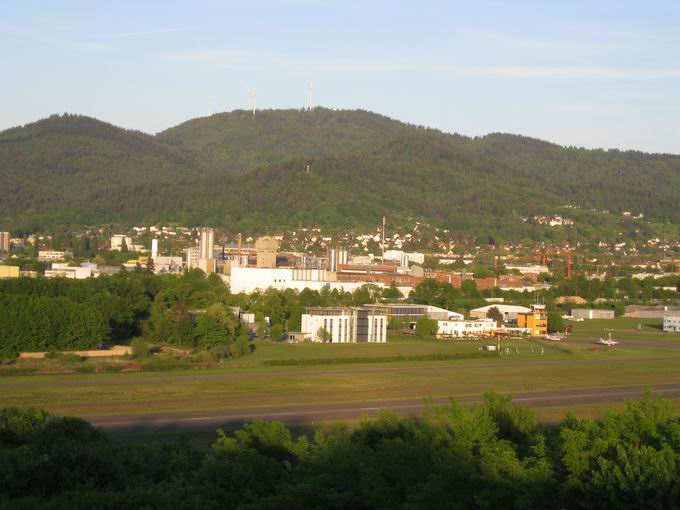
(311, 95)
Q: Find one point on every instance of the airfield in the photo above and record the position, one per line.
(314, 385)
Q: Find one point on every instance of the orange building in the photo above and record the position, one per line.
(535, 320)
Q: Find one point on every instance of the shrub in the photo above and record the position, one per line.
(426, 327)
(276, 332)
(84, 369)
(140, 348)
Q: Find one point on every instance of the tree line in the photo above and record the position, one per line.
(489, 456)
(195, 311)
(188, 310)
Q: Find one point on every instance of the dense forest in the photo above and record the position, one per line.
(284, 168)
(487, 457)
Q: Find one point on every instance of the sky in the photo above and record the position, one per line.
(596, 73)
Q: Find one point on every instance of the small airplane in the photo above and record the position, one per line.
(554, 338)
(609, 341)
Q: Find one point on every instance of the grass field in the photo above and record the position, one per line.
(623, 327)
(220, 388)
(645, 357)
(396, 346)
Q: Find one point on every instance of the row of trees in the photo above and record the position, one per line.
(489, 456)
(58, 314)
(189, 310)
(629, 289)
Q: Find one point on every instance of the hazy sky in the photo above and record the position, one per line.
(595, 73)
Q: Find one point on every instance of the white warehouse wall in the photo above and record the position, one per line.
(247, 279)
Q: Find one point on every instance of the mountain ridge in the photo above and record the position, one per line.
(244, 172)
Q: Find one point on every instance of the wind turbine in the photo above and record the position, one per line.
(252, 95)
(311, 94)
(210, 100)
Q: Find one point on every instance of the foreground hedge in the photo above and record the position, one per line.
(490, 456)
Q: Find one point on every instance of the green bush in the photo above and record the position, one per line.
(140, 349)
(426, 327)
(111, 367)
(555, 321)
(276, 332)
(84, 369)
(53, 354)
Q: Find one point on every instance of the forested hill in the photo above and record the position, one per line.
(239, 139)
(75, 169)
(250, 173)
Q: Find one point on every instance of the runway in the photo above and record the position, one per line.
(311, 413)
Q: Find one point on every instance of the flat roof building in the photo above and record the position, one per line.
(118, 241)
(592, 313)
(63, 270)
(9, 271)
(671, 323)
(266, 248)
(463, 329)
(344, 325)
(535, 320)
(46, 255)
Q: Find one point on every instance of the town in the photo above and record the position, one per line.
(340, 255)
(510, 282)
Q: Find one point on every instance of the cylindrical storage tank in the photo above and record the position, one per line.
(404, 260)
(332, 259)
(343, 256)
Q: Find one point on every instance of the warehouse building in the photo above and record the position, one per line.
(509, 312)
(592, 313)
(414, 312)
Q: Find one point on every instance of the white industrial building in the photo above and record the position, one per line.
(509, 312)
(249, 279)
(165, 265)
(462, 329)
(344, 325)
(671, 323)
(401, 256)
(46, 255)
(117, 241)
(528, 269)
(592, 313)
(202, 256)
(63, 270)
